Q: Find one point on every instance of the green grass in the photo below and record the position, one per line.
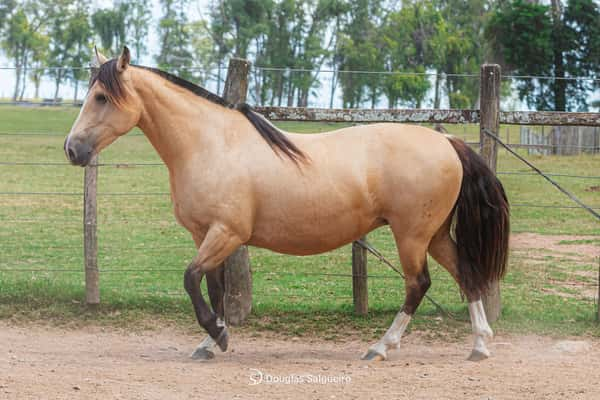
(580, 241)
(143, 252)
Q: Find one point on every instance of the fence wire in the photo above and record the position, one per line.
(117, 275)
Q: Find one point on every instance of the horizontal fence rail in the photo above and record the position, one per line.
(541, 118)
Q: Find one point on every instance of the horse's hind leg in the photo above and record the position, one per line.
(443, 249)
(215, 281)
(413, 256)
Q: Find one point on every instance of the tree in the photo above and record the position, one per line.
(298, 39)
(110, 26)
(202, 47)
(6, 6)
(582, 56)
(219, 30)
(406, 34)
(174, 36)
(359, 48)
(460, 49)
(137, 20)
(39, 60)
(247, 19)
(79, 34)
(21, 40)
(540, 40)
(60, 43)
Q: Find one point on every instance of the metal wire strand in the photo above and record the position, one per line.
(536, 169)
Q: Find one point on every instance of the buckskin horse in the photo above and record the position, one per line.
(236, 179)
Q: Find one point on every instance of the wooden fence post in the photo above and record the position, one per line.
(490, 119)
(359, 278)
(90, 240)
(237, 300)
(598, 300)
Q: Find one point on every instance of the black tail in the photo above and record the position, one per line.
(482, 223)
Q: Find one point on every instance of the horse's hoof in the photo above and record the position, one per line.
(372, 355)
(477, 355)
(202, 353)
(223, 340)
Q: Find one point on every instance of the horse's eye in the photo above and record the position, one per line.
(100, 98)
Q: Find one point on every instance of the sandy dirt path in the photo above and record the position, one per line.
(39, 362)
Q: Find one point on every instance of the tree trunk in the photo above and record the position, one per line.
(57, 84)
(290, 94)
(76, 90)
(390, 103)
(279, 88)
(436, 99)
(560, 85)
(24, 77)
(219, 66)
(373, 97)
(303, 98)
(17, 76)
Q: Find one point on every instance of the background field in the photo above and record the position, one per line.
(143, 252)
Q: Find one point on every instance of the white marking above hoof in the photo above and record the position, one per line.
(202, 353)
(372, 355)
(477, 355)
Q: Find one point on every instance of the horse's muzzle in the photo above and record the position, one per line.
(78, 153)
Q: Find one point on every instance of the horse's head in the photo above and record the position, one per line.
(111, 109)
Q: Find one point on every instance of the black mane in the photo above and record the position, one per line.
(108, 76)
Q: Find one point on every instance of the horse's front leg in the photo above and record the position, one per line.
(215, 281)
(219, 243)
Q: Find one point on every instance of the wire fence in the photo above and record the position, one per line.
(29, 253)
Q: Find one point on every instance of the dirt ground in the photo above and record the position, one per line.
(98, 363)
(534, 243)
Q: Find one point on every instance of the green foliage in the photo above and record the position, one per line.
(522, 31)
(138, 20)
(532, 39)
(360, 49)
(460, 36)
(23, 40)
(6, 6)
(175, 55)
(110, 26)
(407, 34)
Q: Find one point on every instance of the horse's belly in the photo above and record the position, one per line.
(313, 230)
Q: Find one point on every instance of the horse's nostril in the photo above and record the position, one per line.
(71, 154)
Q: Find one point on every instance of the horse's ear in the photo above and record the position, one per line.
(124, 59)
(98, 58)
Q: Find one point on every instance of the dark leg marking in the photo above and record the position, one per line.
(206, 318)
(215, 281)
(415, 290)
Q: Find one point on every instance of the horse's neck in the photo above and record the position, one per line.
(180, 124)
